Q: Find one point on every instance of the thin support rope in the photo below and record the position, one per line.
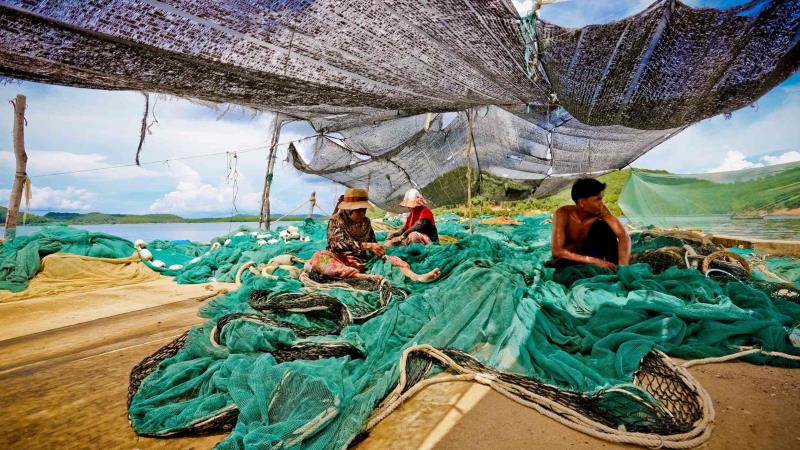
(304, 203)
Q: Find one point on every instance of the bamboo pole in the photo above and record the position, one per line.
(313, 204)
(22, 161)
(469, 166)
(264, 218)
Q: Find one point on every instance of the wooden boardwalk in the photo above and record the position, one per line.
(66, 387)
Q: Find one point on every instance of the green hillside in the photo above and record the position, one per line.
(101, 218)
(483, 204)
(96, 218)
(32, 218)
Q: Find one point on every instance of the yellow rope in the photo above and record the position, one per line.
(447, 240)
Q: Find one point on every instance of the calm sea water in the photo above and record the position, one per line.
(783, 228)
(772, 228)
(199, 232)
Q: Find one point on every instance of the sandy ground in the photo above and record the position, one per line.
(66, 361)
(757, 408)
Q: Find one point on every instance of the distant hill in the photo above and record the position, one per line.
(32, 218)
(253, 218)
(97, 218)
(59, 216)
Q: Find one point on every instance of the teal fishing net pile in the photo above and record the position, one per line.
(21, 258)
(787, 268)
(200, 263)
(280, 364)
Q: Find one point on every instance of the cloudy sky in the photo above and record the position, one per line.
(76, 129)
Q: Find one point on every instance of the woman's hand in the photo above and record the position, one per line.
(606, 264)
(374, 248)
(391, 240)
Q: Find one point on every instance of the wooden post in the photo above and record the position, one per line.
(469, 166)
(22, 161)
(313, 202)
(264, 218)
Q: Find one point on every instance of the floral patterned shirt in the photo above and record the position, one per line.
(346, 236)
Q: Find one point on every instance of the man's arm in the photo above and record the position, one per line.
(559, 237)
(623, 239)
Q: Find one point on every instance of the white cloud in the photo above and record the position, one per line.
(751, 132)
(181, 171)
(191, 197)
(49, 199)
(734, 161)
(75, 129)
(791, 156)
(737, 161)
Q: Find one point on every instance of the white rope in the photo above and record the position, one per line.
(746, 351)
(689, 252)
(245, 266)
(699, 434)
(722, 272)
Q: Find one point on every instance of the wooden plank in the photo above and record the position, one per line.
(774, 247)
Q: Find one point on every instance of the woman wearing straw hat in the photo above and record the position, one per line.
(351, 239)
(420, 225)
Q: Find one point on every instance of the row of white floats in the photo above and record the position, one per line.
(291, 233)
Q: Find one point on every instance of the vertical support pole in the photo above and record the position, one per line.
(264, 218)
(312, 204)
(469, 166)
(22, 161)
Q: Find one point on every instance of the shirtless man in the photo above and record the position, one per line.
(587, 233)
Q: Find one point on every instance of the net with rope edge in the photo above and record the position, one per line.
(577, 350)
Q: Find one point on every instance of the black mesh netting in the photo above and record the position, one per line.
(549, 103)
(659, 402)
(665, 250)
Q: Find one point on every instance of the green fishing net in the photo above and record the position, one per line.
(787, 268)
(668, 199)
(20, 258)
(282, 373)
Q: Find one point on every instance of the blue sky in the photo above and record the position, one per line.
(72, 129)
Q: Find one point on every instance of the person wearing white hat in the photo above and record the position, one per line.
(420, 226)
(351, 239)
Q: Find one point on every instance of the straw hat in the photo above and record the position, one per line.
(413, 198)
(355, 199)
